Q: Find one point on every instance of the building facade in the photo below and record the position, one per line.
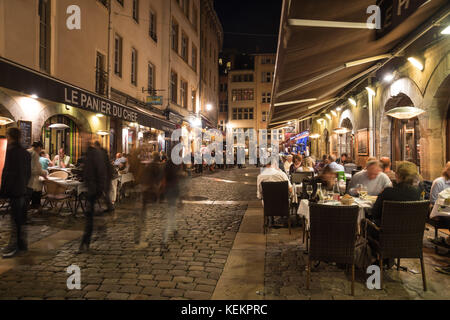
(126, 72)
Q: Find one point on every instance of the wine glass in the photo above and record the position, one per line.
(363, 192)
(309, 190)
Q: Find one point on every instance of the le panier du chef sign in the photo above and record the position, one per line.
(84, 100)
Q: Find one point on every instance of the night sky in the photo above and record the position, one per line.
(250, 18)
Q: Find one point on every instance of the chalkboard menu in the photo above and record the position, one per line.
(25, 128)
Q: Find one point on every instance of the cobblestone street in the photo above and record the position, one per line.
(220, 252)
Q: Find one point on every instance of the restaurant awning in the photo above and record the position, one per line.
(325, 49)
(28, 81)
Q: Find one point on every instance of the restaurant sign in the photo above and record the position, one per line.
(28, 81)
(394, 12)
(155, 100)
(300, 136)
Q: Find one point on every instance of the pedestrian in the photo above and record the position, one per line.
(173, 177)
(95, 178)
(15, 177)
(109, 175)
(34, 188)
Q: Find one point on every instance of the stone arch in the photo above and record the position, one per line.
(436, 102)
(398, 91)
(347, 114)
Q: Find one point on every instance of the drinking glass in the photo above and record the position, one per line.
(309, 190)
(363, 192)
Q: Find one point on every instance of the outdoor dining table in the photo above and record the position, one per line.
(303, 208)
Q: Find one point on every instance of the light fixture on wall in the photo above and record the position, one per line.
(341, 130)
(371, 91)
(59, 126)
(388, 77)
(209, 107)
(328, 116)
(338, 109)
(103, 133)
(416, 63)
(446, 30)
(99, 115)
(404, 113)
(315, 136)
(352, 101)
(334, 113)
(4, 121)
(34, 96)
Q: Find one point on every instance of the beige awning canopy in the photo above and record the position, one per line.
(325, 48)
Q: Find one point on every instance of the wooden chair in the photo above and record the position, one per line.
(276, 201)
(59, 174)
(349, 167)
(57, 193)
(333, 231)
(298, 177)
(401, 232)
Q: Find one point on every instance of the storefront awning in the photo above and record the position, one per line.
(28, 81)
(325, 48)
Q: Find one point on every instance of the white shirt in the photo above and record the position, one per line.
(270, 175)
(287, 166)
(374, 186)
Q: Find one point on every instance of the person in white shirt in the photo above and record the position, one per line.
(440, 183)
(270, 174)
(288, 163)
(333, 165)
(372, 178)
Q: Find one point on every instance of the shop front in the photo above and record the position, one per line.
(64, 116)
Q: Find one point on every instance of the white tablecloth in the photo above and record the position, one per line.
(303, 209)
(440, 209)
(126, 177)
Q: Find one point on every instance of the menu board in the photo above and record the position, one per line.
(25, 128)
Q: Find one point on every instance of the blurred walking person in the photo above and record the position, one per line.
(34, 192)
(15, 177)
(151, 181)
(109, 175)
(95, 178)
(173, 177)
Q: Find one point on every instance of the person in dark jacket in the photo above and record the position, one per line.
(406, 189)
(15, 177)
(327, 178)
(95, 177)
(109, 175)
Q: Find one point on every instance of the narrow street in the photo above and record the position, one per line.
(220, 253)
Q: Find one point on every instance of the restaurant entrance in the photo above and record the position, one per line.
(61, 132)
(406, 140)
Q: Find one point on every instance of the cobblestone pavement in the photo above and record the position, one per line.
(117, 268)
(285, 275)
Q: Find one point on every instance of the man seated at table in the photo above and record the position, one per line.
(333, 165)
(61, 159)
(386, 166)
(440, 184)
(327, 178)
(343, 159)
(372, 178)
(45, 161)
(270, 174)
(120, 161)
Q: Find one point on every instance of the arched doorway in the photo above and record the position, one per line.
(68, 138)
(405, 134)
(346, 139)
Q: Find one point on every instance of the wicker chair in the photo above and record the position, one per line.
(401, 232)
(333, 231)
(298, 177)
(56, 193)
(276, 201)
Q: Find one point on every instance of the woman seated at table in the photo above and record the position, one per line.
(295, 167)
(327, 178)
(307, 165)
(406, 189)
